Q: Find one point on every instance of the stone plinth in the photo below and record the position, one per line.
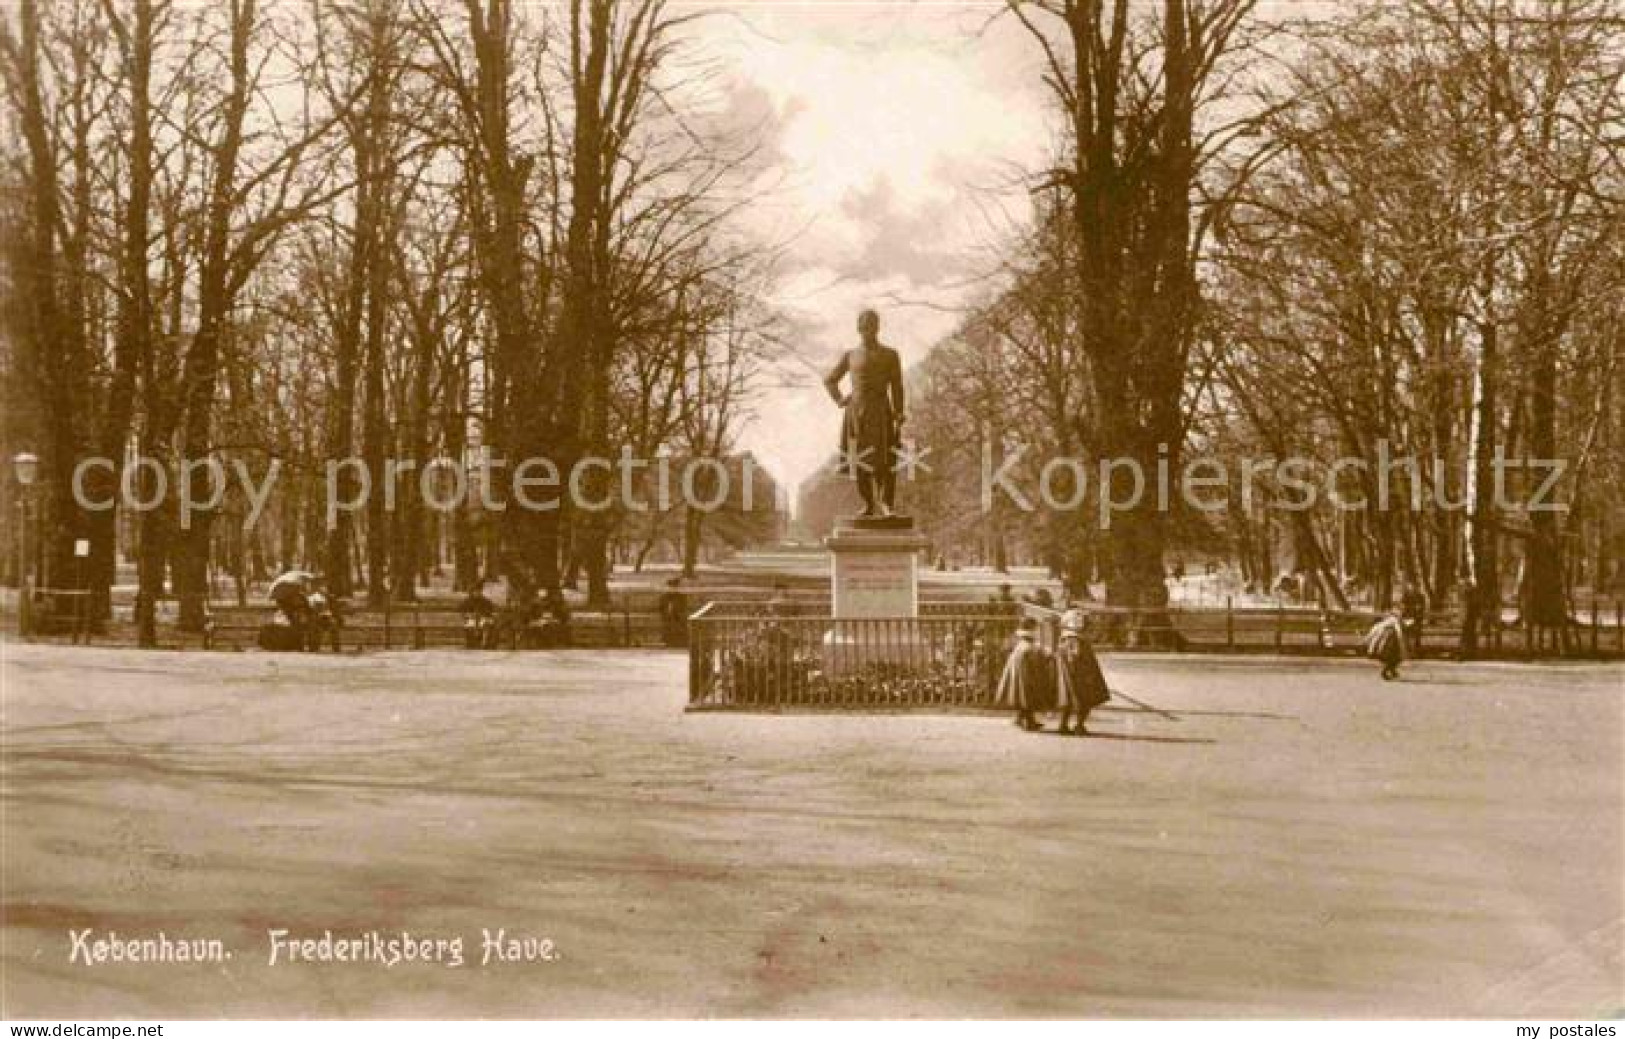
(874, 574)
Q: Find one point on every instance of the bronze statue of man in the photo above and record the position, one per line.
(872, 425)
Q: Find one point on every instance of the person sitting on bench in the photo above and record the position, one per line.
(290, 593)
(479, 618)
(324, 620)
(553, 629)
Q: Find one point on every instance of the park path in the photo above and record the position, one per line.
(1299, 840)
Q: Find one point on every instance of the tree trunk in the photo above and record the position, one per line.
(1482, 594)
(693, 532)
(53, 350)
(200, 373)
(133, 338)
(1544, 601)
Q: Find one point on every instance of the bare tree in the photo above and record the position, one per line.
(1130, 88)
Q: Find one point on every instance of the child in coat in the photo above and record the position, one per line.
(1385, 643)
(1080, 686)
(1027, 683)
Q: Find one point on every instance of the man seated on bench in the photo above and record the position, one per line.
(479, 618)
(551, 629)
(290, 593)
(324, 621)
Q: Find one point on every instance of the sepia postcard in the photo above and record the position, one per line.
(1022, 510)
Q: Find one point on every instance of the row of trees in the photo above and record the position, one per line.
(1088, 353)
(1397, 233)
(285, 235)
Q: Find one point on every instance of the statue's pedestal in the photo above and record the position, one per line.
(874, 576)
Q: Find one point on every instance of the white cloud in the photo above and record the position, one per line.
(899, 126)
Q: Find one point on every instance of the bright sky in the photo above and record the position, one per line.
(897, 131)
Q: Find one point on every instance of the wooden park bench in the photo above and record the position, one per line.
(60, 611)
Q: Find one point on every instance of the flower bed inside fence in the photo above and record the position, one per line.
(771, 660)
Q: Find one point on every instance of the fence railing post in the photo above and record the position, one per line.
(417, 626)
(700, 636)
(1229, 622)
(1280, 624)
(1596, 621)
(699, 681)
(386, 623)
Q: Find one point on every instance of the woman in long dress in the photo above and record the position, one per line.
(1027, 683)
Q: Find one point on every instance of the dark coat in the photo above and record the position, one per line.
(1028, 680)
(1080, 685)
(477, 604)
(1386, 642)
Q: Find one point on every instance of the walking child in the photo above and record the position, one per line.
(1079, 684)
(1028, 681)
(1385, 643)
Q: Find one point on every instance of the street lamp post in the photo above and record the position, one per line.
(25, 467)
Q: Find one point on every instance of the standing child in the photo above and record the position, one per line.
(1027, 684)
(1385, 643)
(674, 614)
(1079, 684)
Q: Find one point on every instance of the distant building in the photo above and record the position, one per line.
(767, 519)
(822, 498)
(753, 513)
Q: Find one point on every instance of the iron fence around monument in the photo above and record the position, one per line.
(783, 660)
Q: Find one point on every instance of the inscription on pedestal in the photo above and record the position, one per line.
(874, 573)
(875, 584)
